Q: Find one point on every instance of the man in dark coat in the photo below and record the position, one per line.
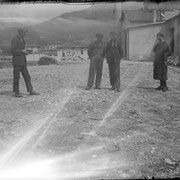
(96, 52)
(161, 50)
(19, 63)
(114, 54)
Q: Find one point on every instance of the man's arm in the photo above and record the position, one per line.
(107, 47)
(155, 44)
(90, 50)
(15, 50)
(167, 52)
(104, 50)
(120, 50)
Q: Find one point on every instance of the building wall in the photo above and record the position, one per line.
(174, 23)
(141, 40)
(71, 54)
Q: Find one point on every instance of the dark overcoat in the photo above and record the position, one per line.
(17, 45)
(162, 52)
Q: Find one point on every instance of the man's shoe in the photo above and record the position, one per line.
(165, 89)
(159, 88)
(118, 90)
(18, 95)
(88, 88)
(34, 93)
(113, 88)
(97, 88)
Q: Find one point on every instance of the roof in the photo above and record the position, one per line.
(177, 16)
(146, 25)
(140, 16)
(164, 6)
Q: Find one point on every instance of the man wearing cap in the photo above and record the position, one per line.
(96, 52)
(162, 51)
(114, 54)
(19, 63)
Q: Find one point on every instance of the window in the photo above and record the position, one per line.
(81, 51)
(63, 54)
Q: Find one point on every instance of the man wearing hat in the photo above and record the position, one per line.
(114, 54)
(162, 51)
(96, 52)
(19, 63)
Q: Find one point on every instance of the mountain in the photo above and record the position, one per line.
(7, 34)
(98, 12)
(4, 25)
(78, 25)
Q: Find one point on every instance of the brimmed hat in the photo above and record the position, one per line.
(21, 29)
(99, 35)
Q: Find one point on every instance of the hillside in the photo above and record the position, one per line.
(7, 34)
(98, 12)
(62, 30)
(78, 25)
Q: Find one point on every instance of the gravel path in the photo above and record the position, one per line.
(92, 134)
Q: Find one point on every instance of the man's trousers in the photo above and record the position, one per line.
(96, 65)
(17, 69)
(114, 74)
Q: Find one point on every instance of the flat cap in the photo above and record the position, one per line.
(21, 29)
(99, 35)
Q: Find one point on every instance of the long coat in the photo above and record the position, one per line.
(17, 45)
(160, 61)
(114, 54)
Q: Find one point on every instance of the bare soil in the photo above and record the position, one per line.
(95, 134)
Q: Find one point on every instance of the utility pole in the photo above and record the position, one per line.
(154, 16)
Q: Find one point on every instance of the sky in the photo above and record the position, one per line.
(32, 13)
(36, 12)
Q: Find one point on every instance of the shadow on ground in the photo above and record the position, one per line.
(7, 93)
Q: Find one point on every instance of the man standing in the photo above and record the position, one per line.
(162, 52)
(96, 55)
(19, 63)
(114, 54)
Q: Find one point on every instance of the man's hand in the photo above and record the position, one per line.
(25, 52)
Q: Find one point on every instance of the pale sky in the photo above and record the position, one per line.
(36, 12)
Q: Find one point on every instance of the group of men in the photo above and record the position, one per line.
(113, 52)
(97, 51)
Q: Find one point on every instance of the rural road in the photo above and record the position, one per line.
(68, 132)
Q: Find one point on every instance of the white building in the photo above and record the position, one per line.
(72, 53)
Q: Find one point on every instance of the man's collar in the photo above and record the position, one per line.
(98, 42)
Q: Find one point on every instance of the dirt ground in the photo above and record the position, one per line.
(68, 132)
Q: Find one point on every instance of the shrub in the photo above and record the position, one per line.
(46, 61)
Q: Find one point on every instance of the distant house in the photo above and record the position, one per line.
(72, 53)
(138, 39)
(33, 48)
